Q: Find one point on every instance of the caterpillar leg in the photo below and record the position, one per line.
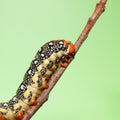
(19, 116)
(33, 102)
(65, 60)
(63, 64)
(45, 86)
(2, 117)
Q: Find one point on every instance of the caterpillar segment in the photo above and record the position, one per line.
(48, 59)
(18, 108)
(4, 108)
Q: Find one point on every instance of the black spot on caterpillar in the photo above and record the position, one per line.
(48, 59)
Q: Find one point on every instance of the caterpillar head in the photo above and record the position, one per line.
(70, 47)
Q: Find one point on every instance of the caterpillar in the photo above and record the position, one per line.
(50, 57)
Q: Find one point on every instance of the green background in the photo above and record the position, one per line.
(90, 88)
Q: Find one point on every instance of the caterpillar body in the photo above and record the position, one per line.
(48, 59)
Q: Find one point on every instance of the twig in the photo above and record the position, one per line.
(100, 7)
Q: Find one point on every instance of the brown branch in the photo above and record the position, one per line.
(100, 7)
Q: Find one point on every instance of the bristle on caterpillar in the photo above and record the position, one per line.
(48, 59)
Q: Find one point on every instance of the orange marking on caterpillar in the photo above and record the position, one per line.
(19, 116)
(45, 86)
(1, 117)
(33, 102)
(71, 48)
